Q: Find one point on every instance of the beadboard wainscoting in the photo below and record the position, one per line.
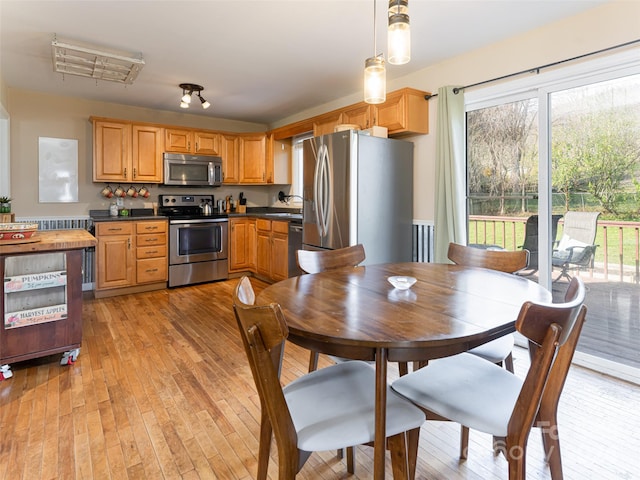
(66, 223)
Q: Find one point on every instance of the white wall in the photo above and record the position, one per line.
(611, 24)
(34, 115)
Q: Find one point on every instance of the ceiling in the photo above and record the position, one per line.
(258, 61)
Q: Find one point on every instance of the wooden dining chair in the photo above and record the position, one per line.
(469, 390)
(316, 261)
(498, 351)
(330, 408)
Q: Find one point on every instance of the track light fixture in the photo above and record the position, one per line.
(189, 89)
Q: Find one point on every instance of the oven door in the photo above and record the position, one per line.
(192, 241)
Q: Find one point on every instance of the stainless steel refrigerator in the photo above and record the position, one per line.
(358, 189)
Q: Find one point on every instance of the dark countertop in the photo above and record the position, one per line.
(287, 215)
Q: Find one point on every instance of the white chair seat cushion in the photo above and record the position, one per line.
(465, 389)
(495, 351)
(334, 407)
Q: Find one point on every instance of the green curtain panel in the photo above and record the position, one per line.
(450, 221)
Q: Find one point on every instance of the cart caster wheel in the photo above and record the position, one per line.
(5, 372)
(70, 357)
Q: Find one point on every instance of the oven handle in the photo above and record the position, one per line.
(198, 220)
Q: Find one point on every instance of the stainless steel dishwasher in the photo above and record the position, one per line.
(295, 244)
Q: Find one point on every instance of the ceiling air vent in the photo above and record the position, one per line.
(86, 61)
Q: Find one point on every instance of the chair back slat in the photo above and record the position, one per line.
(316, 261)
(501, 260)
(263, 330)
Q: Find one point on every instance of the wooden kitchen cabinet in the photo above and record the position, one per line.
(272, 244)
(151, 252)
(191, 141)
(244, 158)
(131, 256)
(126, 152)
(360, 114)
(111, 151)
(405, 112)
(230, 153)
(114, 255)
(242, 244)
(253, 157)
(326, 123)
(146, 154)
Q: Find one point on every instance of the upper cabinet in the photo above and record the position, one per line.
(326, 123)
(191, 141)
(126, 152)
(406, 112)
(253, 157)
(244, 158)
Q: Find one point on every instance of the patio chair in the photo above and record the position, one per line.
(531, 240)
(576, 249)
(330, 408)
(480, 395)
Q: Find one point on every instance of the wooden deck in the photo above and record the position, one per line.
(612, 330)
(162, 390)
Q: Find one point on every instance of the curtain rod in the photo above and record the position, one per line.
(536, 70)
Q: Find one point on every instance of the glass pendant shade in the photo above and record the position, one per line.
(186, 98)
(399, 39)
(375, 80)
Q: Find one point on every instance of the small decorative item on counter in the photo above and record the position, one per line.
(113, 210)
(5, 205)
(124, 212)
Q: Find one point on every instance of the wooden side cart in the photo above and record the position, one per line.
(41, 298)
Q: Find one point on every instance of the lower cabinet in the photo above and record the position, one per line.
(272, 249)
(242, 244)
(259, 246)
(130, 256)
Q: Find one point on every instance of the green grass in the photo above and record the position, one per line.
(513, 240)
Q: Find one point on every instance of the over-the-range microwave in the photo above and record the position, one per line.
(192, 170)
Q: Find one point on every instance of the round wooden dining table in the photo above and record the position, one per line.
(357, 313)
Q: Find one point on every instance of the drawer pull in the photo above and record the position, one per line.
(151, 228)
(152, 251)
(150, 270)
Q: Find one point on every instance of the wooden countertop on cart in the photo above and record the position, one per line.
(50, 241)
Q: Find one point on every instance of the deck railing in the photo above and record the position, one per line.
(617, 255)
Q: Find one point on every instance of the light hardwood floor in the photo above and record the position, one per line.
(162, 390)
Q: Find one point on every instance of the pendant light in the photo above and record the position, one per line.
(399, 32)
(375, 74)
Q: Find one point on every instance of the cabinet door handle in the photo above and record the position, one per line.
(134, 173)
(125, 172)
(129, 243)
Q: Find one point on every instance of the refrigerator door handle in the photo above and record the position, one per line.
(317, 194)
(323, 191)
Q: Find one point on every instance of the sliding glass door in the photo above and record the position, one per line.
(540, 151)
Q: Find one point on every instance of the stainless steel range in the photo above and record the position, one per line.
(198, 248)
